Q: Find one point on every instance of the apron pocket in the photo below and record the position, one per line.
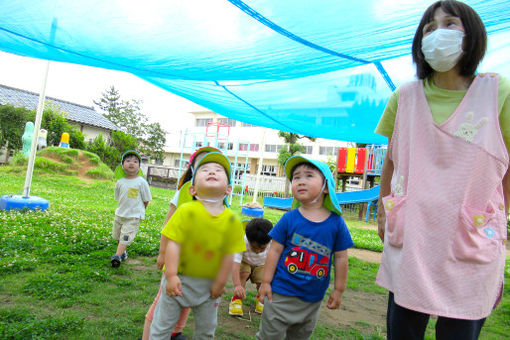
(395, 216)
(478, 236)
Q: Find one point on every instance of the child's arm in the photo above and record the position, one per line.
(218, 286)
(164, 240)
(272, 258)
(173, 283)
(341, 267)
(236, 280)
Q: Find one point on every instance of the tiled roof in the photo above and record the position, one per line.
(76, 112)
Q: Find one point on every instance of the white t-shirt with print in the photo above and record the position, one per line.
(131, 194)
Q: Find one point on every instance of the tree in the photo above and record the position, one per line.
(291, 148)
(127, 115)
(153, 141)
(12, 126)
(110, 103)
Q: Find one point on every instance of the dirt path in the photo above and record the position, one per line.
(366, 255)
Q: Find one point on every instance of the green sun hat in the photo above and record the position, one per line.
(119, 171)
(330, 201)
(215, 157)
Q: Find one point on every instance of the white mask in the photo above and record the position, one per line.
(442, 48)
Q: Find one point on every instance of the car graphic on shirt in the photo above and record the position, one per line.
(302, 261)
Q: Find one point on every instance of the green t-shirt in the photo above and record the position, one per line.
(442, 105)
(204, 238)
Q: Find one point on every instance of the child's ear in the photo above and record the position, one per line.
(192, 190)
(326, 191)
(229, 190)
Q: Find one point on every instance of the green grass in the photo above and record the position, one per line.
(57, 283)
(56, 160)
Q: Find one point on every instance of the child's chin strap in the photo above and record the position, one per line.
(208, 200)
(320, 193)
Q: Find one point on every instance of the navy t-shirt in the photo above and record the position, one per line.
(304, 268)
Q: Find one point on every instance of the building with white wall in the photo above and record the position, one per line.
(237, 138)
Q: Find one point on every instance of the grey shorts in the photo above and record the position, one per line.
(125, 228)
(288, 317)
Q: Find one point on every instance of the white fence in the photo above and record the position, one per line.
(267, 183)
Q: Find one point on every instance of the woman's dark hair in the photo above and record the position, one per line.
(475, 38)
(257, 230)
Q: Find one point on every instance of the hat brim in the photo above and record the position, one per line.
(216, 157)
(330, 201)
(202, 150)
(131, 152)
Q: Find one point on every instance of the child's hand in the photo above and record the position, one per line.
(217, 289)
(265, 290)
(173, 286)
(240, 292)
(335, 299)
(160, 262)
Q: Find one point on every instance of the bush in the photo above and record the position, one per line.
(108, 154)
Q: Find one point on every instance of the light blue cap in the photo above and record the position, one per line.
(330, 201)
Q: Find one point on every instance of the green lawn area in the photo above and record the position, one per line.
(56, 281)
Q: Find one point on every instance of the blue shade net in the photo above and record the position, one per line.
(318, 68)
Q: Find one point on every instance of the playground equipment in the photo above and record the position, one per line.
(64, 140)
(217, 135)
(360, 162)
(41, 140)
(369, 196)
(27, 138)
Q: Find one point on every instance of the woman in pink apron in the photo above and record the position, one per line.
(445, 186)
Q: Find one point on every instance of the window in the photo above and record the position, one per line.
(199, 145)
(202, 121)
(308, 150)
(268, 170)
(272, 148)
(177, 163)
(248, 125)
(244, 147)
(328, 150)
(227, 121)
(231, 146)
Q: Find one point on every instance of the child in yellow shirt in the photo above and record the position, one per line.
(203, 236)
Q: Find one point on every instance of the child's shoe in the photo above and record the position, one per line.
(178, 336)
(116, 261)
(236, 307)
(123, 257)
(259, 308)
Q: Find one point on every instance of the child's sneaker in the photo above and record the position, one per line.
(236, 307)
(259, 308)
(116, 261)
(123, 257)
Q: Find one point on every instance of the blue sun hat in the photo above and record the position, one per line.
(330, 201)
(119, 171)
(215, 157)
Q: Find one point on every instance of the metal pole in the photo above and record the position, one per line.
(261, 159)
(38, 119)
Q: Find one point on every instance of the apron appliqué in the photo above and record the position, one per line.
(467, 130)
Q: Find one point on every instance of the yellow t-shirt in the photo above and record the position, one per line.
(442, 105)
(205, 239)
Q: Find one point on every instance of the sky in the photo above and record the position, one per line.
(83, 84)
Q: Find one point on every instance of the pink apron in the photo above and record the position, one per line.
(444, 251)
